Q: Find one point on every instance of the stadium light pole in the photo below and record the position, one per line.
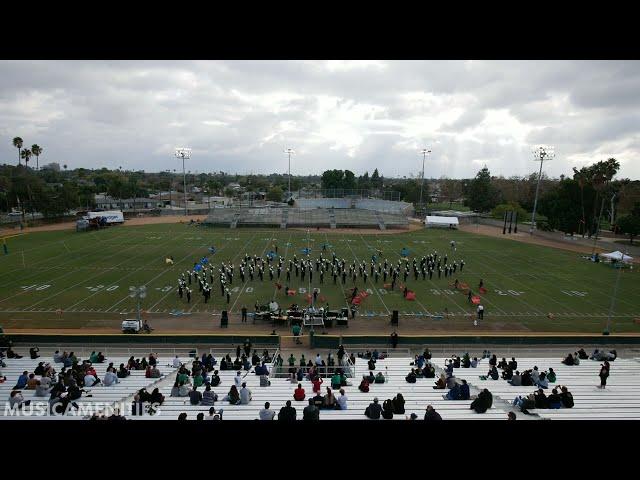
(424, 153)
(184, 154)
(541, 154)
(289, 151)
(138, 293)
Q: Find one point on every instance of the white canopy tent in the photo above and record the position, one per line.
(433, 221)
(617, 256)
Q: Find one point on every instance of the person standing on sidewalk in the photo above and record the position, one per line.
(244, 314)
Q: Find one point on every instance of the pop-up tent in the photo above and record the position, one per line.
(433, 221)
(618, 256)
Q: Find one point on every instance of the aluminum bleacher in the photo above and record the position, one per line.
(620, 400)
(101, 396)
(306, 217)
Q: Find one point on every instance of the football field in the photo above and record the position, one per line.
(64, 278)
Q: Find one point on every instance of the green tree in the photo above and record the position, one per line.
(376, 181)
(275, 194)
(349, 180)
(332, 179)
(482, 195)
(26, 154)
(629, 225)
(17, 142)
(37, 151)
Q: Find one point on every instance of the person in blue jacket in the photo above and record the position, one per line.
(464, 391)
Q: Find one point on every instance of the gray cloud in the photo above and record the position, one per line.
(238, 116)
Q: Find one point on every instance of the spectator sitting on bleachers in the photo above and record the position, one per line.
(493, 360)
(298, 393)
(431, 414)
(483, 402)
(535, 375)
(474, 362)
(215, 379)
(398, 404)
(329, 401)
(156, 398)
(582, 355)
(91, 380)
(387, 409)
(441, 383)
(31, 383)
(223, 364)
(601, 355)
(542, 381)
(237, 364)
(418, 373)
(183, 389)
(195, 397)
(516, 379)
(493, 374)
(364, 385)
(466, 360)
(264, 381)
(567, 398)
(266, 413)
(316, 382)
(554, 400)
(110, 378)
(198, 381)
(287, 413)
(540, 399)
(245, 395)
(300, 374)
(371, 364)
(371, 378)
(233, 397)
(41, 390)
(342, 400)
(411, 377)
(39, 370)
(526, 379)
(451, 381)
(336, 381)
(22, 380)
(57, 357)
(379, 378)
(311, 413)
(464, 391)
(551, 376)
(93, 358)
(255, 359)
(16, 400)
(513, 365)
(503, 363)
(33, 353)
(209, 397)
(182, 417)
(448, 367)
(429, 371)
(12, 354)
(123, 372)
(374, 410)
(568, 360)
(453, 394)
(507, 373)
(175, 390)
(456, 362)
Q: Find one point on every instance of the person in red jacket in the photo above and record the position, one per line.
(316, 384)
(364, 386)
(298, 394)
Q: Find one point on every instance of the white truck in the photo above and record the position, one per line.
(110, 216)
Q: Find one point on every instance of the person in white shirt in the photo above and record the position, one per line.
(110, 378)
(41, 390)
(176, 362)
(45, 382)
(266, 413)
(90, 380)
(245, 395)
(342, 400)
(238, 379)
(57, 357)
(318, 360)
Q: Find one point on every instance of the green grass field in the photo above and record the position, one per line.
(89, 274)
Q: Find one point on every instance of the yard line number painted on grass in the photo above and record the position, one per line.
(574, 293)
(97, 288)
(35, 287)
(514, 293)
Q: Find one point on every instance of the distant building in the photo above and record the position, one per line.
(51, 166)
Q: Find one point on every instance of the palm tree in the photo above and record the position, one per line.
(26, 154)
(37, 151)
(17, 142)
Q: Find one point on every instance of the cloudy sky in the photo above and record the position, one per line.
(239, 116)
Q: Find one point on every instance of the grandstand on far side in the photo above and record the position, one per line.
(318, 212)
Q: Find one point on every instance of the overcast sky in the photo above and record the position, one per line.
(239, 116)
